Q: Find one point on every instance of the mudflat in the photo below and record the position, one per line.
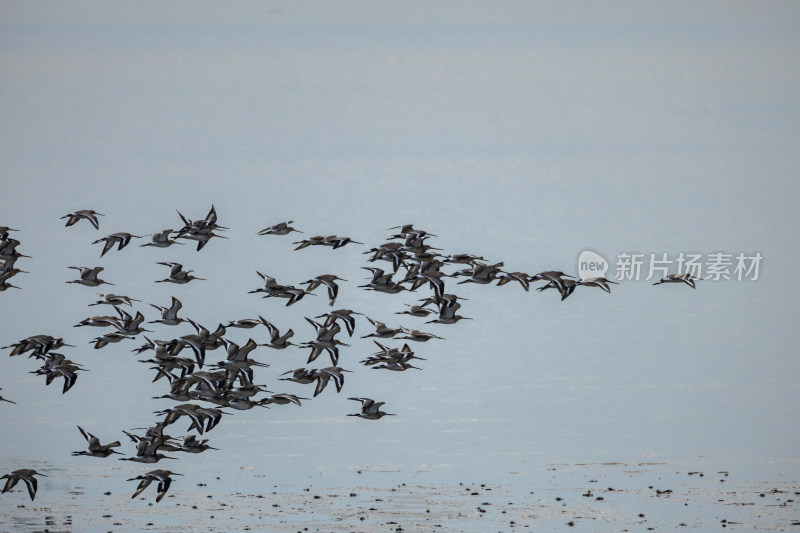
(590, 497)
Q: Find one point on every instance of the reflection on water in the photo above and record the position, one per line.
(21, 521)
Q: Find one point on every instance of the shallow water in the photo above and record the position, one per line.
(595, 497)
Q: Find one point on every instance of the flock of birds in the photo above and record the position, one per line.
(200, 390)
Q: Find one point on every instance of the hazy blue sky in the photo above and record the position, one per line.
(525, 132)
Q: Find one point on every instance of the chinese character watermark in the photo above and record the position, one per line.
(635, 266)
